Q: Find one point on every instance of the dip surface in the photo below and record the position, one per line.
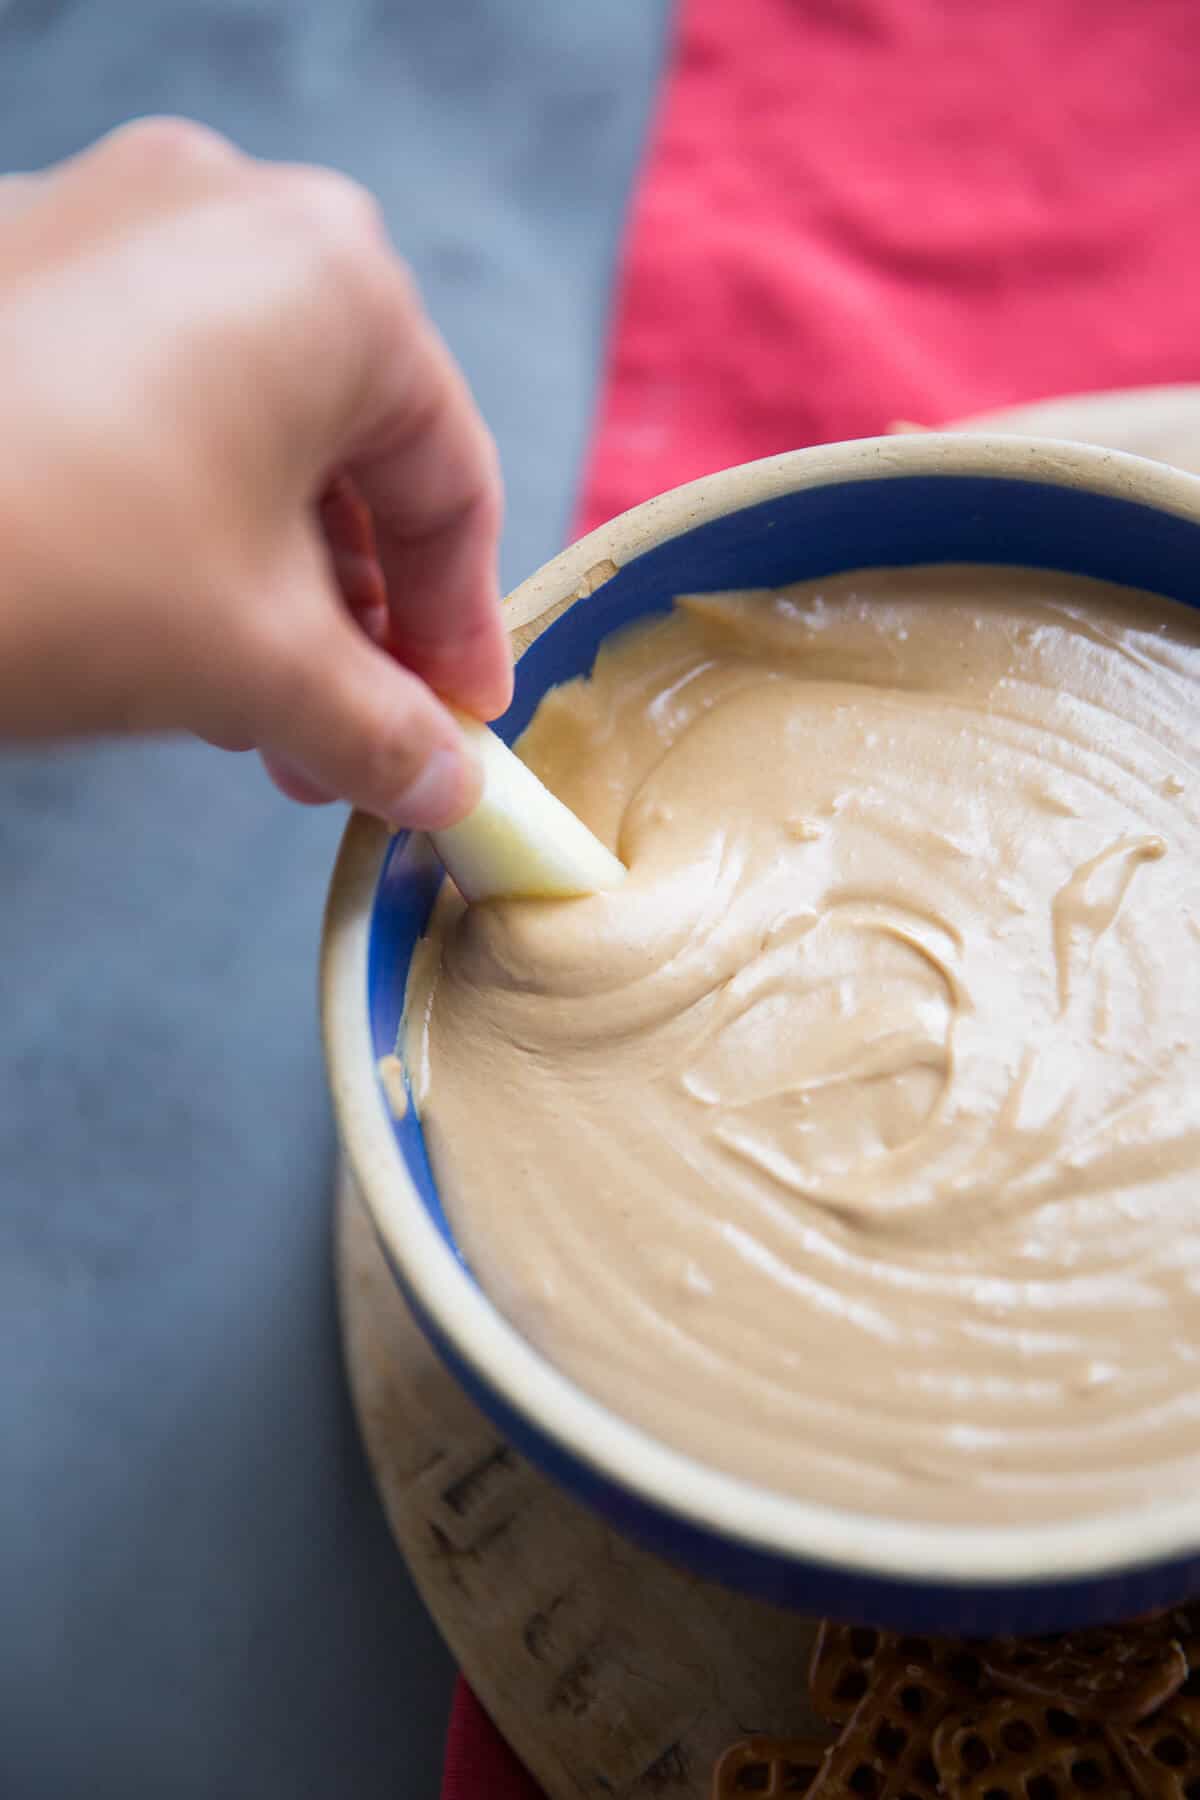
(853, 1145)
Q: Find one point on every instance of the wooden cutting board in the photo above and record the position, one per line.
(613, 1676)
(1162, 422)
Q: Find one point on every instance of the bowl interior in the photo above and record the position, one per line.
(812, 532)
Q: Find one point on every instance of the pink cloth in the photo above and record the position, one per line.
(479, 1764)
(857, 211)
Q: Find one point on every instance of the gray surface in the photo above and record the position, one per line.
(197, 1592)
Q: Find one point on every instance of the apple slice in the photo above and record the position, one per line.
(520, 841)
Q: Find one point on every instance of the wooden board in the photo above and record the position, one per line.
(613, 1676)
(1162, 422)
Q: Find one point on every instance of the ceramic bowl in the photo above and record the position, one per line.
(898, 500)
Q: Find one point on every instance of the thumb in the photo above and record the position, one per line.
(349, 721)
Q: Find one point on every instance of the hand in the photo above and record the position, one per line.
(208, 364)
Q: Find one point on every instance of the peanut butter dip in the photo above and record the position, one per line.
(854, 1144)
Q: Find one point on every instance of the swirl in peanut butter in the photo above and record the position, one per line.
(853, 1145)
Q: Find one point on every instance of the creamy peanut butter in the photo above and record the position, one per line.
(854, 1144)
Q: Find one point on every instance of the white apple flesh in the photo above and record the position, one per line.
(520, 842)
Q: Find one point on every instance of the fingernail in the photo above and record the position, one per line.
(439, 796)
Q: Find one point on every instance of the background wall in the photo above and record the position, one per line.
(198, 1594)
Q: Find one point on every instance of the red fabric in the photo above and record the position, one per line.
(479, 1764)
(857, 211)
(864, 210)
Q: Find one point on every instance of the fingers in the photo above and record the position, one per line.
(350, 539)
(335, 715)
(293, 783)
(359, 377)
(163, 140)
(425, 463)
(154, 165)
(161, 156)
(373, 392)
(345, 521)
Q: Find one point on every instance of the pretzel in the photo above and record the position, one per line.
(1163, 1752)
(884, 1751)
(1115, 1675)
(845, 1657)
(1015, 1748)
(768, 1767)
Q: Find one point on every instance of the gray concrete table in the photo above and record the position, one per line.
(197, 1590)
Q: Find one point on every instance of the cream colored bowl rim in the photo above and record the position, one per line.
(589, 1433)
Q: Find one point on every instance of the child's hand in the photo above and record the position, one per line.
(204, 360)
